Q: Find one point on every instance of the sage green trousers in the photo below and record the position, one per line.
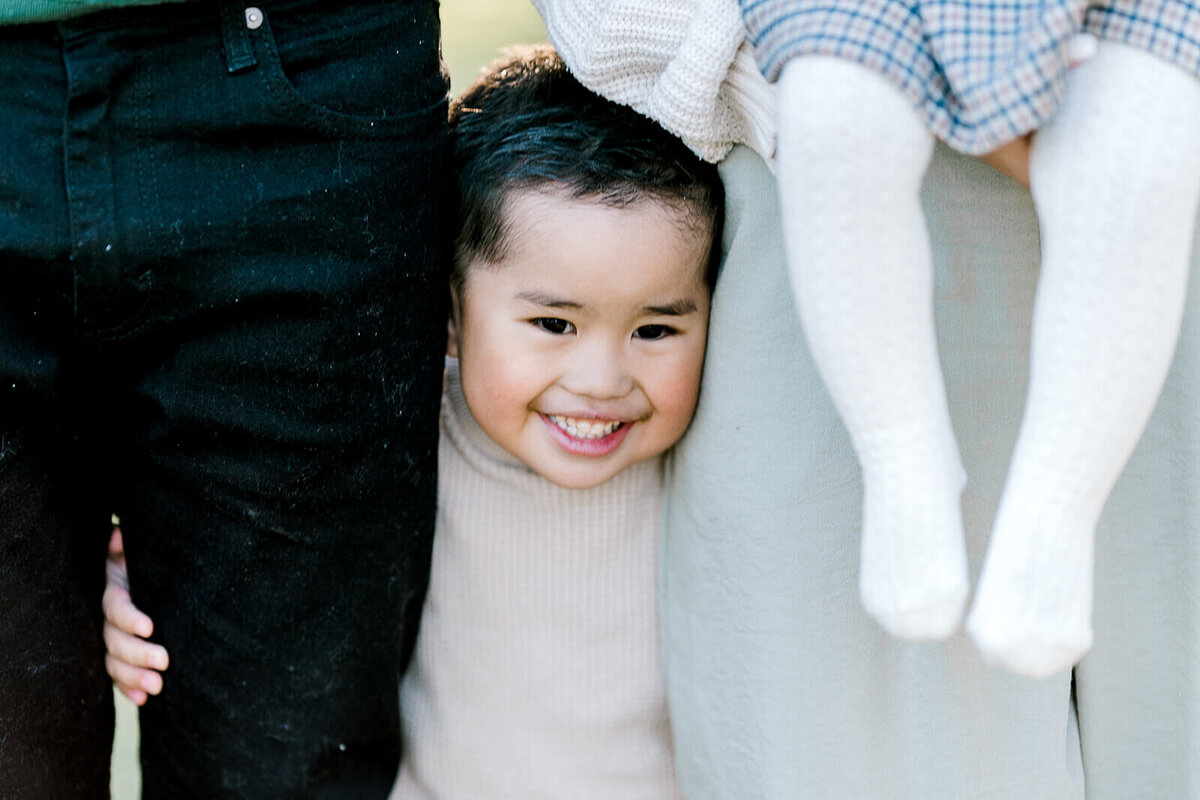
(780, 685)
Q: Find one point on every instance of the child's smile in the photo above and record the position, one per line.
(586, 437)
(581, 351)
(586, 429)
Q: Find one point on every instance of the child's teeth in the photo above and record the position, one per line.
(585, 429)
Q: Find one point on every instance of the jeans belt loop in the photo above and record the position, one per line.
(235, 33)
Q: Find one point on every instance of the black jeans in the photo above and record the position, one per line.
(222, 316)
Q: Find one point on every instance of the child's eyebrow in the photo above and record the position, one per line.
(549, 301)
(678, 308)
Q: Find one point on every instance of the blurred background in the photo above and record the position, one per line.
(473, 33)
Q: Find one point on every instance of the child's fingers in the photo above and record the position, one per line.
(115, 566)
(132, 680)
(131, 650)
(116, 574)
(122, 614)
(136, 696)
(116, 543)
(131, 661)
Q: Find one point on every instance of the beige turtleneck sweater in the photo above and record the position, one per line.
(538, 671)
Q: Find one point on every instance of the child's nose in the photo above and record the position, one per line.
(598, 370)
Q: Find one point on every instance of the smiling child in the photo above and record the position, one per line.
(583, 271)
(580, 349)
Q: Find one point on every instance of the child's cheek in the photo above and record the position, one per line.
(678, 390)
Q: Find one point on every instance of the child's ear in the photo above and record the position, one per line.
(452, 326)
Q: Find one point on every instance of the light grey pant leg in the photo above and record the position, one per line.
(780, 685)
(1139, 687)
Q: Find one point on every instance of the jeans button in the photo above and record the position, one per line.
(254, 18)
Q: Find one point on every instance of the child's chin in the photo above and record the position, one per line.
(580, 480)
(586, 476)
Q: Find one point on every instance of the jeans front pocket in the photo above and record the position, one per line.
(368, 68)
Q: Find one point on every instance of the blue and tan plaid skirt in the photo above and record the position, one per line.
(982, 72)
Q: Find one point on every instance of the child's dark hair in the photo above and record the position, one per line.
(528, 124)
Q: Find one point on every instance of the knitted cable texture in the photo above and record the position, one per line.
(683, 63)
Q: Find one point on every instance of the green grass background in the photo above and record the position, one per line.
(473, 33)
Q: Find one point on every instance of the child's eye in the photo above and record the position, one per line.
(553, 325)
(653, 332)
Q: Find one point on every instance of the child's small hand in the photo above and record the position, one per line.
(132, 662)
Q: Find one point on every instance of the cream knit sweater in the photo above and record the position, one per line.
(537, 673)
(683, 63)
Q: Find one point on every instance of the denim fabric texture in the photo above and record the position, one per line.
(222, 316)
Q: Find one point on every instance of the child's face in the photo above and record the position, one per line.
(580, 353)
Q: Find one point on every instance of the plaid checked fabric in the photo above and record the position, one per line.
(982, 72)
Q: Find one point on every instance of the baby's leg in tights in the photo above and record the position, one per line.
(1116, 176)
(852, 153)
